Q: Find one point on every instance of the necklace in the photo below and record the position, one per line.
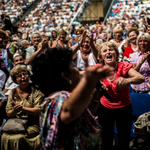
(85, 54)
(115, 70)
(118, 41)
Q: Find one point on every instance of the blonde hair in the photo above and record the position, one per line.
(145, 35)
(110, 45)
(62, 31)
(117, 29)
(18, 69)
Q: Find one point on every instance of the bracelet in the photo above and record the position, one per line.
(97, 101)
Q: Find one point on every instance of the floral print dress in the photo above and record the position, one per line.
(84, 133)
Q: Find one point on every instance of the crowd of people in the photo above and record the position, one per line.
(13, 10)
(64, 87)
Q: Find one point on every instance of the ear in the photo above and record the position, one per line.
(65, 75)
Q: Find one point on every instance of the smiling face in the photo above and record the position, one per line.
(108, 55)
(36, 39)
(133, 37)
(62, 36)
(86, 45)
(143, 44)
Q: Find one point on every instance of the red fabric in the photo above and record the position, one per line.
(128, 51)
(121, 96)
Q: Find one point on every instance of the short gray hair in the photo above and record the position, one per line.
(25, 42)
(36, 32)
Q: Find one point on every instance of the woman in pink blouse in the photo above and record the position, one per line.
(141, 62)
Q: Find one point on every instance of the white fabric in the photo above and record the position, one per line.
(120, 50)
(80, 64)
(2, 79)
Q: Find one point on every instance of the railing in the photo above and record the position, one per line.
(108, 12)
(76, 15)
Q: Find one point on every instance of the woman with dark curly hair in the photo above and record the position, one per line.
(65, 121)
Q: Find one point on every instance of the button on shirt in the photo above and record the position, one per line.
(135, 58)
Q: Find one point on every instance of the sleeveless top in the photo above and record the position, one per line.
(80, 64)
(59, 46)
(120, 50)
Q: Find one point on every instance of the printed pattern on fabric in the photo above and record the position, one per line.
(81, 134)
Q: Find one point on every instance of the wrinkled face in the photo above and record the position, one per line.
(18, 60)
(133, 37)
(118, 35)
(22, 78)
(62, 36)
(143, 44)
(108, 55)
(36, 39)
(86, 45)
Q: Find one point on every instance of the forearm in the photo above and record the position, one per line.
(31, 111)
(79, 100)
(94, 50)
(74, 50)
(136, 80)
(30, 60)
(137, 68)
(9, 54)
(11, 113)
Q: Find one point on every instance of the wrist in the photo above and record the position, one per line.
(129, 81)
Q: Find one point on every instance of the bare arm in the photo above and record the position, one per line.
(135, 78)
(74, 49)
(31, 111)
(30, 60)
(9, 54)
(80, 98)
(54, 44)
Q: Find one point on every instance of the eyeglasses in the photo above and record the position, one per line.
(22, 74)
(79, 33)
(19, 60)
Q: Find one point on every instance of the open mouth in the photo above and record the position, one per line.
(109, 57)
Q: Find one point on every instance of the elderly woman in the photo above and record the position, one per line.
(118, 33)
(5, 55)
(120, 110)
(132, 34)
(23, 100)
(62, 42)
(84, 51)
(141, 62)
(65, 121)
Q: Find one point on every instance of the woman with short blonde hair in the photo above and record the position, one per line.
(120, 43)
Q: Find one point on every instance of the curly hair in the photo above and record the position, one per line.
(48, 67)
(79, 30)
(18, 69)
(110, 45)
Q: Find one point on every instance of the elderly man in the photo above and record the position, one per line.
(10, 84)
(36, 39)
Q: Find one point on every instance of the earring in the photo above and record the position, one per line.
(70, 81)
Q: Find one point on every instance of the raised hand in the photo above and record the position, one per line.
(8, 45)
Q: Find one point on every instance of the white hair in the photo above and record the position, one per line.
(36, 32)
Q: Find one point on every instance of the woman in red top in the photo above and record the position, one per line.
(132, 34)
(120, 110)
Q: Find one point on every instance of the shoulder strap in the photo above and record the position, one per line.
(31, 97)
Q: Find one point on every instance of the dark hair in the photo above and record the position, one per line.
(48, 67)
(135, 24)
